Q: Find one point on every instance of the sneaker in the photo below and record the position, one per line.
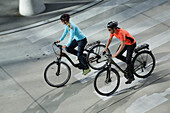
(129, 81)
(77, 58)
(86, 71)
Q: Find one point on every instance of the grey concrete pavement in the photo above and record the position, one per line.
(11, 19)
(24, 56)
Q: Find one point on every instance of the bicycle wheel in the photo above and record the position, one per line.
(144, 64)
(105, 85)
(96, 59)
(57, 74)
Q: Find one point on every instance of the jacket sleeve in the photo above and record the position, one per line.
(64, 34)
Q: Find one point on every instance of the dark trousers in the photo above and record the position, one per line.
(128, 58)
(81, 44)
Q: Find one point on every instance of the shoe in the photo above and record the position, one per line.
(86, 71)
(129, 81)
(77, 58)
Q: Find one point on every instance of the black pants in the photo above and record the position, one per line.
(128, 58)
(81, 44)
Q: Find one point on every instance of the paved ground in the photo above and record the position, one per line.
(24, 56)
(11, 19)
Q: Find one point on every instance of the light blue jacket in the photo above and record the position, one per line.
(75, 33)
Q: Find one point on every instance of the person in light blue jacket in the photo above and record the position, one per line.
(77, 38)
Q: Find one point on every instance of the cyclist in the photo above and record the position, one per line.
(128, 43)
(77, 38)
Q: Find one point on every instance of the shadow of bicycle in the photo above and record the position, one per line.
(50, 101)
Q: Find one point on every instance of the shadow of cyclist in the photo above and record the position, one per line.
(51, 100)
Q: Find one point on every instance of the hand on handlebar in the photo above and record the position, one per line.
(58, 41)
(64, 46)
(113, 56)
(104, 52)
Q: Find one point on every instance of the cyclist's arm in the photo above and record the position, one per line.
(72, 33)
(121, 48)
(108, 43)
(64, 34)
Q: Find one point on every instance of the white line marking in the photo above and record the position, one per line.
(122, 88)
(77, 19)
(146, 103)
(49, 20)
(98, 10)
(133, 30)
(164, 58)
(125, 15)
(158, 40)
(86, 78)
(148, 23)
(44, 33)
(47, 49)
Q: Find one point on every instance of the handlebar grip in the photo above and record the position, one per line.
(104, 52)
(55, 43)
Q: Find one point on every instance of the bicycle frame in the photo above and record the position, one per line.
(62, 54)
(111, 61)
(115, 64)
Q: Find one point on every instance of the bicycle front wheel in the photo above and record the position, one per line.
(57, 74)
(144, 64)
(107, 82)
(96, 59)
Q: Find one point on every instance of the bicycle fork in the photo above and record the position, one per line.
(108, 78)
(58, 68)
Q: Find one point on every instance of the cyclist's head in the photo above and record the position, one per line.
(112, 26)
(65, 17)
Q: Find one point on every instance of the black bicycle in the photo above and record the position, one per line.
(108, 79)
(58, 73)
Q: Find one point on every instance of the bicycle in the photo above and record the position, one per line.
(58, 73)
(107, 80)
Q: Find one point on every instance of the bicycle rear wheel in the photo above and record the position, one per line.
(96, 59)
(107, 82)
(57, 74)
(144, 64)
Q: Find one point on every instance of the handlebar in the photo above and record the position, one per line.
(58, 45)
(109, 55)
(59, 51)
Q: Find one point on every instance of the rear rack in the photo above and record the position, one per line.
(143, 46)
(92, 44)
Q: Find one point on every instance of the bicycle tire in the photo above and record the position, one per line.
(115, 76)
(138, 61)
(50, 74)
(92, 59)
